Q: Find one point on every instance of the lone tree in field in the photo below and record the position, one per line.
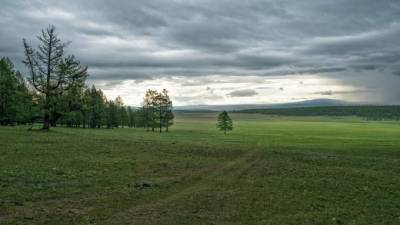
(51, 72)
(224, 122)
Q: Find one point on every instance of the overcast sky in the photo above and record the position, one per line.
(222, 51)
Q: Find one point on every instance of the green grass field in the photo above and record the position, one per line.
(269, 170)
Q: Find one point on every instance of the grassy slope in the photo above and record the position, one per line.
(269, 170)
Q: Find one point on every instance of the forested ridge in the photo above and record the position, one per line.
(366, 112)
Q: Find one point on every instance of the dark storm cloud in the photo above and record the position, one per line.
(128, 39)
(243, 93)
(331, 93)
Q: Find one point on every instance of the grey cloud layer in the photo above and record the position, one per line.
(128, 39)
(243, 93)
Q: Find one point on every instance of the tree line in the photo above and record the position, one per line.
(366, 112)
(56, 93)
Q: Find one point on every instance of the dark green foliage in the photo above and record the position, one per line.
(163, 105)
(70, 102)
(112, 114)
(8, 92)
(168, 119)
(121, 117)
(16, 100)
(149, 110)
(157, 110)
(141, 118)
(124, 118)
(131, 117)
(76, 107)
(73, 119)
(51, 72)
(95, 107)
(224, 122)
(116, 114)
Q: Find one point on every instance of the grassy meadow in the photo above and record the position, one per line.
(268, 170)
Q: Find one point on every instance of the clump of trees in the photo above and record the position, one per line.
(156, 111)
(18, 103)
(89, 107)
(224, 122)
(56, 94)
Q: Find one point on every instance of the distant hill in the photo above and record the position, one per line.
(363, 111)
(239, 107)
(316, 107)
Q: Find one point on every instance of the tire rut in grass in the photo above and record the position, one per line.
(143, 214)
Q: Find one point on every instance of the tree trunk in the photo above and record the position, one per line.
(160, 121)
(84, 120)
(147, 119)
(46, 120)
